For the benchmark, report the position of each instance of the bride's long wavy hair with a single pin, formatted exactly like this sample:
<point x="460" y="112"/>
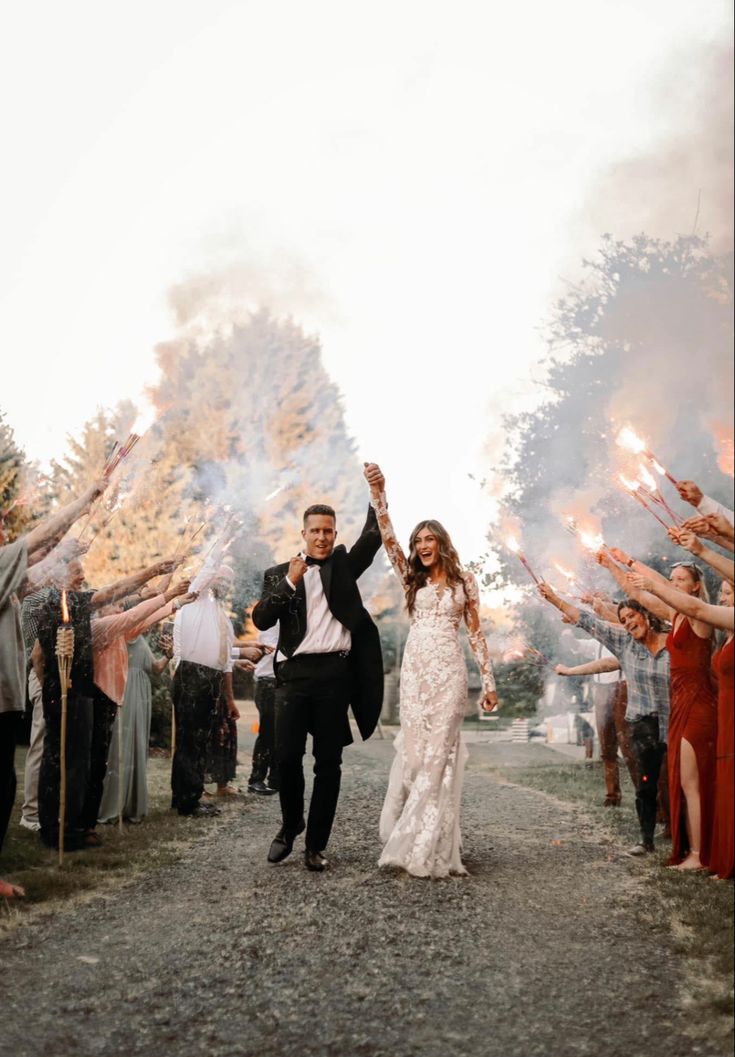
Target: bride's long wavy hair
<point x="418" y="575"/>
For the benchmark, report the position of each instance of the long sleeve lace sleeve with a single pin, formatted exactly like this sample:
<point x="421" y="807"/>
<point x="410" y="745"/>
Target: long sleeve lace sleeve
<point x="478" y="642"/>
<point x="392" y="547"/>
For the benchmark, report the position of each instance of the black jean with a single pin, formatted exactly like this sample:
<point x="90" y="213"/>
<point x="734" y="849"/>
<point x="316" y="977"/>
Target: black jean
<point x="79" y="725"/>
<point x="312" y="697"/>
<point x="9" y="726"/>
<point x="103" y="717"/>
<point x="649" y="754"/>
<point x="195" y="693"/>
<point x="265" y="764"/>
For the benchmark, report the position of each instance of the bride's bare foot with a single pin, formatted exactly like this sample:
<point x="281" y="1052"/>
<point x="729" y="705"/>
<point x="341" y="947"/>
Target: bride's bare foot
<point x="692" y="862"/>
<point x="10" y="891"/>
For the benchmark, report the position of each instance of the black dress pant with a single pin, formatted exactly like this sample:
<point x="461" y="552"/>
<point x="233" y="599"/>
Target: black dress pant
<point x="9" y="726"/>
<point x="265" y="764"/>
<point x="312" y="697"/>
<point x="79" y="726"/>
<point x="648" y="753"/>
<point x="103" y="718"/>
<point x="195" y="693"/>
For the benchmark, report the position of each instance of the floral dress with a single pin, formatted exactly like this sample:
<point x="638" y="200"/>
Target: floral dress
<point x="419" y="823"/>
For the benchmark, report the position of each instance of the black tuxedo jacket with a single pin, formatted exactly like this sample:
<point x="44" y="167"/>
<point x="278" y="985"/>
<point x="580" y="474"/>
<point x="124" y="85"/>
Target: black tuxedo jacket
<point x="279" y="602"/>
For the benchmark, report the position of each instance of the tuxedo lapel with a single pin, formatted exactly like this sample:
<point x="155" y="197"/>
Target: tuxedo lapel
<point x="326" y="574"/>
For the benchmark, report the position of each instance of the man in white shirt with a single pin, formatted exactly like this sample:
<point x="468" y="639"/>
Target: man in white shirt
<point x="264" y="774"/>
<point x="609" y="699"/>
<point x="203" y="640"/>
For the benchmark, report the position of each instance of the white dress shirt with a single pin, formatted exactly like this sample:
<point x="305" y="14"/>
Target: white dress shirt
<point x="203" y="633"/>
<point x="264" y="667"/>
<point x="324" y="633"/>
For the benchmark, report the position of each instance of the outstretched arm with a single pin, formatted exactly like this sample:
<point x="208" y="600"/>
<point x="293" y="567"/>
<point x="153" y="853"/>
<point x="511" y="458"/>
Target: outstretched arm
<point x="51" y="530"/>
<point x="689" y="605"/>
<point x="598" y="667"/>
<point x="646" y="598"/>
<point x="478" y="642"/>
<point x="724" y="566"/>
<point x="130" y="584"/>
<point x="393" y="548"/>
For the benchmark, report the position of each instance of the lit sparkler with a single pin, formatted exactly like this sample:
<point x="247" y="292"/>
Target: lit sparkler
<point x="630" y="440"/>
<point x="514" y="546"/>
<point x="634" y="488"/>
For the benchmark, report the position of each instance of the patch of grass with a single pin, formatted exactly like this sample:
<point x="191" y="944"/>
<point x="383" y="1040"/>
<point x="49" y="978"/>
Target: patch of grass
<point x="146" y="846"/>
<point x="695" y="908"/>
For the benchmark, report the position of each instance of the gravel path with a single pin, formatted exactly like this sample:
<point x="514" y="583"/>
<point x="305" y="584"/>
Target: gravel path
<point x="541" y="951"/>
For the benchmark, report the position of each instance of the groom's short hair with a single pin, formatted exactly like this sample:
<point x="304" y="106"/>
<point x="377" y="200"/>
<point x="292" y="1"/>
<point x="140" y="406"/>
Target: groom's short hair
<point x="319" y="508"/>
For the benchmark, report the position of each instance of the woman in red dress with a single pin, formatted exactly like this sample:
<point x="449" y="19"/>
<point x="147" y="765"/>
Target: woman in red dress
<point x="693" y="721"/>
<point x="722" y="853"/>
<point x="692" y="730"/>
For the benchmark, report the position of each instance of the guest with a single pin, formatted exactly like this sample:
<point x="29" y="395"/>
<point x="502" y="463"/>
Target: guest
<point x="609" y="701"/>
<point x="203" y="641"/>
<point x="15" y="559"/>
<point x="264" y="774"/>
<point x="133" y="719"/>
<point x="692" y="734"/>
<point x="87" y="733"/>
<point x="639" y="644"/>
<point x="694" y="690"/>
<point x="722" y="853"/>
<point x="691" y="493"/>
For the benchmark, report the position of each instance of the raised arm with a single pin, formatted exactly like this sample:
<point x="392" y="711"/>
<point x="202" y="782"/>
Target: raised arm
<point x="689" y="605"/>
<point x="393" y="548"/>
<point x="361" y="554"/>
<point x="478" y="643"/>
<point x="724" y="566"/>
<point x="130" y="584"/>
<point x="549" y="594"/>
<point x="652" y="603"/>
<point x="610" y="635"/>
<point x="51" y="529"/>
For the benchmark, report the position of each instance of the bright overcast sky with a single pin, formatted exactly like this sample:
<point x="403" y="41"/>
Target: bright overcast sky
<point x="405" y="177"/>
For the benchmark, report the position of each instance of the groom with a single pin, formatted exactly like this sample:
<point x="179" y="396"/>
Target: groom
<point x="328" y="658"/>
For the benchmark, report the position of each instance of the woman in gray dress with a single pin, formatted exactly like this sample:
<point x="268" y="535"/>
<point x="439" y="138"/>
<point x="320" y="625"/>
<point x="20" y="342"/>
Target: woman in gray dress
<point x="134" y="720"/>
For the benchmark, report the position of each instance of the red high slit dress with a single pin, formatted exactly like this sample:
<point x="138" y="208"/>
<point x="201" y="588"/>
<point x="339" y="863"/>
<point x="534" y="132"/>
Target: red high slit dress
<point x="722" y="853"/>
<point x="693" y="717"/>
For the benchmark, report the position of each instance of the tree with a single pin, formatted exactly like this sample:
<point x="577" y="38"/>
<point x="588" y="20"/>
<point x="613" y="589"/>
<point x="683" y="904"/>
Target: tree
<point x="21" y="492"/>
<point x="645" y="339"/>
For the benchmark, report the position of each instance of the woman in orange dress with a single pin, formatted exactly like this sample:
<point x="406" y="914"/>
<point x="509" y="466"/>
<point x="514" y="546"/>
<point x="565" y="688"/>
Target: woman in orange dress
<point x="722" y="853"/>
<point x="692" y="738"/>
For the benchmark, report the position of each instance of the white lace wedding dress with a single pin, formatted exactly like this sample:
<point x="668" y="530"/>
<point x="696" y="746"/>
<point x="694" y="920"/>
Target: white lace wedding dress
<point x="419" y="823"/>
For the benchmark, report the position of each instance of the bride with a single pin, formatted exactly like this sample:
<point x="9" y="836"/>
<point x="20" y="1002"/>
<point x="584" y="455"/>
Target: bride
<point x="419" y="823"/>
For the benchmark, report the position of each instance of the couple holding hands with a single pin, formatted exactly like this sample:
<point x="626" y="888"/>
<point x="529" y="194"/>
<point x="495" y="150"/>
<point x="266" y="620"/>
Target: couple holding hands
<point x="328" y="659"/>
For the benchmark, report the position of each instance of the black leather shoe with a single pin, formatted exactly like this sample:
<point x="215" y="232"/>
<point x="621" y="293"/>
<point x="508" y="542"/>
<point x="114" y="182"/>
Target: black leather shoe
<point x="282" y="844"/>
<point x="205" y="811"/>
<point x="261" y="789"/>
<point x="315" y="861"/>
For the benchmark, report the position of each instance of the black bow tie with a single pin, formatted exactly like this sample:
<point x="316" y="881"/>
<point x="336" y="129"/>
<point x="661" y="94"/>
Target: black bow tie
<point x="316" y="561"/>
